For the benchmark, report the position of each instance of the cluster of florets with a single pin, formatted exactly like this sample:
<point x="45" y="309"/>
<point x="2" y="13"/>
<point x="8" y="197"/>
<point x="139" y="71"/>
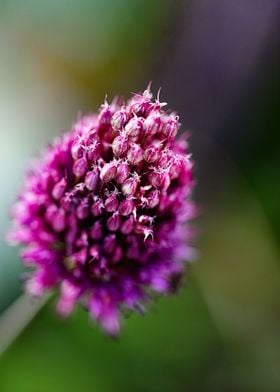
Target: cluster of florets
<point x="104" y="212"/>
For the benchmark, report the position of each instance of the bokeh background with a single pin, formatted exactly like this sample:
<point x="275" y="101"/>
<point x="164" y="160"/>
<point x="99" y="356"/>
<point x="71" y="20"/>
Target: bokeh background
<point x="217" y="62"/>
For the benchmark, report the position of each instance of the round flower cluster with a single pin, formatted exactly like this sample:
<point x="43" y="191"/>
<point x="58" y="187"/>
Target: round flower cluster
<point x="103" y="213"/>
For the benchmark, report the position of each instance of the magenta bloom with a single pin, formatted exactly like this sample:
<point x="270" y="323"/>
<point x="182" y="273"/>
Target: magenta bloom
<point x="104" y="213"/>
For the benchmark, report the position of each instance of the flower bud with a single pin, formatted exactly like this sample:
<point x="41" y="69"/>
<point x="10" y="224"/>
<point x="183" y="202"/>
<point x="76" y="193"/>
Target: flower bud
<point x="94" y="151"/>
<point x="113" y="223"/>
<point x="96" y="208"/>
<point x="122" y="172"/>
<point x="153" y="199"/>
<point x="51" y="212"/>
<point x="176" y="167"/>
<point x="152" y="153"/>
<point x="170" y="127"/>
<point x="118" y="120"/>
<point x="129" y="186"/>
<point x="126" y="207"/>
<point x="59" y="189"/>
<point x="155" y="179"/>
<point x="91" y="179"/>
<point x="152" y="124"/>
<point x="120" y="145"/>
<point x="165" y="181"/>
<point x="134" y="127"/>
<point x="140" y="107"/>
<point x="77" y="150"/>
<point x="82" y="210"/>
<point x="108" y="171"/>
<point x="111" y="203"/>
<point x="127" y="226"/>
<point x="80" y="167"/>
<point x="160" y="179"/>
<point x="164" y="159"/>
<point x="105" y="114"/>
<point x="135" y="154"/>
<point x="59" y="221"/>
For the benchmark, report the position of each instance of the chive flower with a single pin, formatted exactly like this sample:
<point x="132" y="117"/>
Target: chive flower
<point x="104" y="213"/>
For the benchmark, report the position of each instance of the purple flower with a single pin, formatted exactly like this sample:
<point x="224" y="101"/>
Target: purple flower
<point x="104" y="213"/>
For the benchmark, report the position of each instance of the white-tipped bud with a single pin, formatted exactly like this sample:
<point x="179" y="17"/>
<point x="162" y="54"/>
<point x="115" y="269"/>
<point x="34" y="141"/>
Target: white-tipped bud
<point x="164" y="158"/>
<point x="119" y="119"/>
<point x="152" y="153"/>
<point x="108" y="171"/>
<point x="130" y="185"/>
<point x="170" y="127"/>
<point x="111" y="203"/>
<point x="134" y="127"/>
<point x="135" y="154"/>
<point x="120" y="145"/>
<point x="160" y="179"/>
<point x="122" y="172"/>
<point x="152" y="124"/>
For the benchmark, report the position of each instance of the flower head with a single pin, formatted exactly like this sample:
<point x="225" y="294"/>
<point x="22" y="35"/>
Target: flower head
<point x="104" y="213"/>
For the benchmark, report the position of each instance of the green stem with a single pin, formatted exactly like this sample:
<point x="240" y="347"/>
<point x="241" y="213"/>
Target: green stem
<point x="16" y="318"/>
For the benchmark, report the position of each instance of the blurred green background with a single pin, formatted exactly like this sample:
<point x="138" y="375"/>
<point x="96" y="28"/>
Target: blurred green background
<point x="218" y="64"/>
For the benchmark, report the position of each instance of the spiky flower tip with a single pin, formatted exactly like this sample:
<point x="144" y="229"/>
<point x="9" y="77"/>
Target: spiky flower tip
<point x="104" y="213"/>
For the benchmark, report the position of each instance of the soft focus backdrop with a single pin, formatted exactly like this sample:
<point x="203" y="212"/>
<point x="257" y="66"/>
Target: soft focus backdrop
<point x="217" y="63"/>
